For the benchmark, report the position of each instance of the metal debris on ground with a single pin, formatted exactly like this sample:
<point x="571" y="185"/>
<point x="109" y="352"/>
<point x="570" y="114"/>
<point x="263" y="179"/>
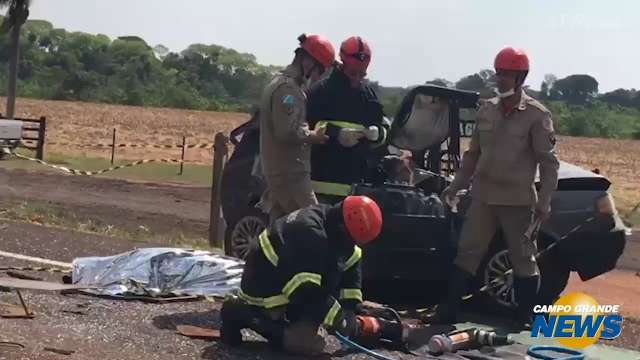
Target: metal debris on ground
<point x="38" y="285"/>
<point x="151" y="299"/>
<point x="198" y="332"/>
<point x="159" y="273"/>
<point x="76" y="310"/>
<point x="9" y="311"/>
<point x="59" y="351"/>
<point x="11" y="344"/>
<point x="18" y="275"/>
<point x="36" y="268"/>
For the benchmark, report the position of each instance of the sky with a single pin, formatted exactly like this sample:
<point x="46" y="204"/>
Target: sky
<point x="413" y="41"/>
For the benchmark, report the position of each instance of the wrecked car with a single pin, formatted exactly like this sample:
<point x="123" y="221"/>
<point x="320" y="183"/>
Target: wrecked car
<point x="418" y="243"/>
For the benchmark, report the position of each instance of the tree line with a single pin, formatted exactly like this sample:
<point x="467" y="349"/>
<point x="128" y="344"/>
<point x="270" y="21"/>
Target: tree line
<point x="61" y="65"/>
<point x="577" y="106"/>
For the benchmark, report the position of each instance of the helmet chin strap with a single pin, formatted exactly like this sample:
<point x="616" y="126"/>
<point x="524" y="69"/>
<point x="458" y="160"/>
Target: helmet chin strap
<point x="505" y="94"/>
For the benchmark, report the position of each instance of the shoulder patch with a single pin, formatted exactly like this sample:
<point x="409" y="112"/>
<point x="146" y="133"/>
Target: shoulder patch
<point x="289" y="101"/>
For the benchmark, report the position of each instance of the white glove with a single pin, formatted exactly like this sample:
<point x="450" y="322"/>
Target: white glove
<point x="349" y="137"/>
<point x="372" y="133"/>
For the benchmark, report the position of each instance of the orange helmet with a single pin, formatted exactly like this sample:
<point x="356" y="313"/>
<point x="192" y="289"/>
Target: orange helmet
<point x="319" y="47"/>
<point x="355" y="52"/>
<point x="511" y="58"/>
<point x="362" y="218"/>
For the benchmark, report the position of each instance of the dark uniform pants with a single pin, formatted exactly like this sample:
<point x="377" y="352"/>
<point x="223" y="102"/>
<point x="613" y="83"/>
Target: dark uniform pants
<point x="480" y="227"/>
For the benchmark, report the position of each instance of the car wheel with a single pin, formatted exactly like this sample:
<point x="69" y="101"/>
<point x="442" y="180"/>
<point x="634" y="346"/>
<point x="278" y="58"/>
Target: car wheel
<point x="243" y="234"/>
<point x="499" y="286"/>
<point x="552" y="281"/>
<point x="555" y="276"/>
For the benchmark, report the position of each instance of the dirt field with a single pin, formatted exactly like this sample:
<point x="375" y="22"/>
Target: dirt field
<point x="87" y="123"/>
<point x="618" y="160"/>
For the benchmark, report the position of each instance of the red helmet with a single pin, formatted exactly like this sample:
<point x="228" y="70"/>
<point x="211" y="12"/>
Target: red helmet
<point x="362" y="218"/>
<point x="511" y="58"/>
<point x="319" y="47"/>
<point x="355" y="52"/>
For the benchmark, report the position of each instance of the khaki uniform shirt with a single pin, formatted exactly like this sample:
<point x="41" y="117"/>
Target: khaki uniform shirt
<point x="284" y="131"/>
<point x="505" y="152"/>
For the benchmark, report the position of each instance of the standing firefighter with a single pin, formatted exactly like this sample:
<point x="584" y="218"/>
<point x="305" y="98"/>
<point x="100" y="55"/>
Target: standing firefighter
<point x="354" y="119"/>
<point x="285" y="138"/>
<point x="513" y="136"/>
<point x="304" y="273"/>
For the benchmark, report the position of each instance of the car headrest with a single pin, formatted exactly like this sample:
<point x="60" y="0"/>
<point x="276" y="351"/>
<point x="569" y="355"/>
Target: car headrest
<point x="427" y="124"/>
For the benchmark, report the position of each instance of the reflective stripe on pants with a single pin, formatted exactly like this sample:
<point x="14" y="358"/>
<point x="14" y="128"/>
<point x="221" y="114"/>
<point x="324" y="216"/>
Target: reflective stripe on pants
<point x="351" y="294"/>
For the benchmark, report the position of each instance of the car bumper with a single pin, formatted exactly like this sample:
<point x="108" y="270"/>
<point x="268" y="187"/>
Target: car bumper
<point x="595" y="248"/>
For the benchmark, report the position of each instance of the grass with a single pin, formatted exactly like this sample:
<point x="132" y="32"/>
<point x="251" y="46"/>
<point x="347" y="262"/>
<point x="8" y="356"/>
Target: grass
<point x="57" y="216"/>
<point x="193" y="174"/>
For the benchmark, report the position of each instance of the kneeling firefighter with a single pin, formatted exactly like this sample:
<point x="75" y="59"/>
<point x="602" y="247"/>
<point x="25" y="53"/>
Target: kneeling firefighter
<point x="303" y="275"/>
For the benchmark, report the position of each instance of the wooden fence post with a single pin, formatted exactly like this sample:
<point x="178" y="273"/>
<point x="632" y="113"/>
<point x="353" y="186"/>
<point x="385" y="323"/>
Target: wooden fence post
<point x="42" y="130"/>
<point x="219" y="152"/>
<point x="184" y="147"/>
<point x="113" y="146"/>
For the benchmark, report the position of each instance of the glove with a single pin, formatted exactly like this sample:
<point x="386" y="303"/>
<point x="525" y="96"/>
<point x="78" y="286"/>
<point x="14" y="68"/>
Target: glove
<point x="346" y="324"/>
<point x="318" y="136"/>
<point x="449" y="197"/>
<point x="372" y="133"/>
<point x="349" y="137"/>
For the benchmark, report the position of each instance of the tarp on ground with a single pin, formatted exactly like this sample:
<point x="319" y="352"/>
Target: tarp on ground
<point x="159" y="272"/>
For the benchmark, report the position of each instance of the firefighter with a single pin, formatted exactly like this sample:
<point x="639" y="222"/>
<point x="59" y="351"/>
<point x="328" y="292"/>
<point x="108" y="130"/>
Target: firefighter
<point x="354" y="121"/>
<point x="514" y="135"/>
<point x="304" y="275"/>
<point x="285" y="137"/>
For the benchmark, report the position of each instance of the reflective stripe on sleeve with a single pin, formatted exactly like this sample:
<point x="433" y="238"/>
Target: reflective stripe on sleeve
<point x="355" y="257"/>
<point x="330" y="318"/>
<point x="267" y="248"/>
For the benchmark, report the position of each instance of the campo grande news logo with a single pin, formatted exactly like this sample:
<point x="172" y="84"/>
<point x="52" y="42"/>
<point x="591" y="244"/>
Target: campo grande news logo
<point x="576" y="320"/>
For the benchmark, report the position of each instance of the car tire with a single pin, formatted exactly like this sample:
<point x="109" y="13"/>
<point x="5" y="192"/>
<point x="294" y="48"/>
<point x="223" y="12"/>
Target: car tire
<point x="500" y="299"/>
<point x="241" y="235"/>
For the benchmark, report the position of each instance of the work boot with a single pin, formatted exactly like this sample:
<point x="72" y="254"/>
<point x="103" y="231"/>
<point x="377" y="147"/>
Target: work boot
<point x="449" y="307"/>
<point x="237" y="315"/>
<point x="526" y="294"/>
<point x="303" y="338"/>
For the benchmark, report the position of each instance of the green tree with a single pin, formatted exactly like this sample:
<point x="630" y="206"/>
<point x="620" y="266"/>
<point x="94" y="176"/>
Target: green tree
<point x="577" y="89"/>
<point x="16" y="16"/>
